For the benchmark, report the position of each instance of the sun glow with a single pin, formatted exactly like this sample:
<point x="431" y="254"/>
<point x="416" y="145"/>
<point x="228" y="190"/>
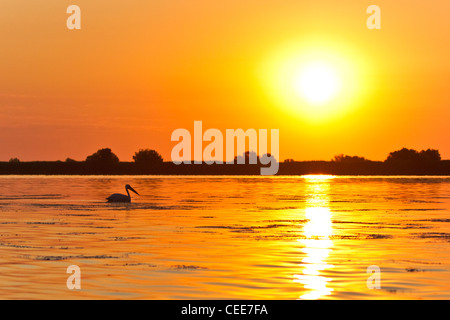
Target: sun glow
<point x="315" y="81"/>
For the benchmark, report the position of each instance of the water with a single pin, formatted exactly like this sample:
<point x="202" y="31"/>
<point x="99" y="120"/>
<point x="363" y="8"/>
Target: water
<point x="310" y="237"/>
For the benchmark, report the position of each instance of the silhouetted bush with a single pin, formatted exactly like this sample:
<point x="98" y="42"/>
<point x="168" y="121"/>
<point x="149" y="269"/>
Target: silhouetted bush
<point x="103" y="160"/>
<point x="403" y="155"/>
<point x="267" y="158"/>
<point x="246" y="157"/>
<point x="430" y="155"/>
<point x="411" y="161"/>
<point x="148" y="159"/>
<point x="341" y="158"/>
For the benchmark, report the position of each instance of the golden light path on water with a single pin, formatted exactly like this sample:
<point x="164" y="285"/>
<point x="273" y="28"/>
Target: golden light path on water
<point x="316" y="241"/>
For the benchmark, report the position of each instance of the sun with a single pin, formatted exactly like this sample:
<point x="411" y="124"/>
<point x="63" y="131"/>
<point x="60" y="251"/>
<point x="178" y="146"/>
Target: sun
<point x="317" y="83"/>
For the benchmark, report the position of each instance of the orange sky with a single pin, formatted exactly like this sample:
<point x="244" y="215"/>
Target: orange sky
<point x="137" y="70"/>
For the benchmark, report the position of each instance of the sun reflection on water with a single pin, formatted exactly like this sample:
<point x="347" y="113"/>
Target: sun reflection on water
<point x="317" y="243"/>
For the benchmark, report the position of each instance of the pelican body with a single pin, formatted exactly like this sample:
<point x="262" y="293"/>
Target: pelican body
<point x="117" y="197"/>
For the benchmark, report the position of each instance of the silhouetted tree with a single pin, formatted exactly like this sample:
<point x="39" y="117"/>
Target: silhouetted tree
<point x="103" y="160"/>
<point x="341" y="158"/>
<point x="403" y="155"/>
<point x="430" y="155"/>
<point x="14" y="160"/>
<point x="412" y="161"/>
<point x="246" y="156"/>
<point x="147" y="158"/>
<point x="267" y="158"/>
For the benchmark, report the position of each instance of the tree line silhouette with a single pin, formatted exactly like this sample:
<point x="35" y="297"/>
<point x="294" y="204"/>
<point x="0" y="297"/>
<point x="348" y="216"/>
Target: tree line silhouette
<point x="147" y="161"/>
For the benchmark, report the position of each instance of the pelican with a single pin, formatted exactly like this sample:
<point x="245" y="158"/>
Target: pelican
<point x="117" y="197"/>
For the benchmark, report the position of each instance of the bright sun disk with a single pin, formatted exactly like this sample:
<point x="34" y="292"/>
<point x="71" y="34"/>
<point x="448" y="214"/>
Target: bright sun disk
<point x="317" y="83"/>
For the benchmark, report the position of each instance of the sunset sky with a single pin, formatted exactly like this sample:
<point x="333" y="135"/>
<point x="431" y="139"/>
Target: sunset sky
<point x="138" y="70"/>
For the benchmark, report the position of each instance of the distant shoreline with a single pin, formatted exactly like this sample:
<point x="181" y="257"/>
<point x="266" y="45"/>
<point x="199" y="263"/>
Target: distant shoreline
<point x="369" y="168"/>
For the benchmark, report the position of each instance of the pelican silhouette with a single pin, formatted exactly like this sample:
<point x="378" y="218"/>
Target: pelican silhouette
<point x="117" y="197"/>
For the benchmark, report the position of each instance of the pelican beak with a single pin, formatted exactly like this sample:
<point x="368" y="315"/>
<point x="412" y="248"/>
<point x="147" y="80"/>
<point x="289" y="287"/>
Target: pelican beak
<point x="134" y="191"/>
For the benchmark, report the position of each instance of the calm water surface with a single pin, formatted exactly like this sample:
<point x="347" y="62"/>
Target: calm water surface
<point x="309" y="237"/>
